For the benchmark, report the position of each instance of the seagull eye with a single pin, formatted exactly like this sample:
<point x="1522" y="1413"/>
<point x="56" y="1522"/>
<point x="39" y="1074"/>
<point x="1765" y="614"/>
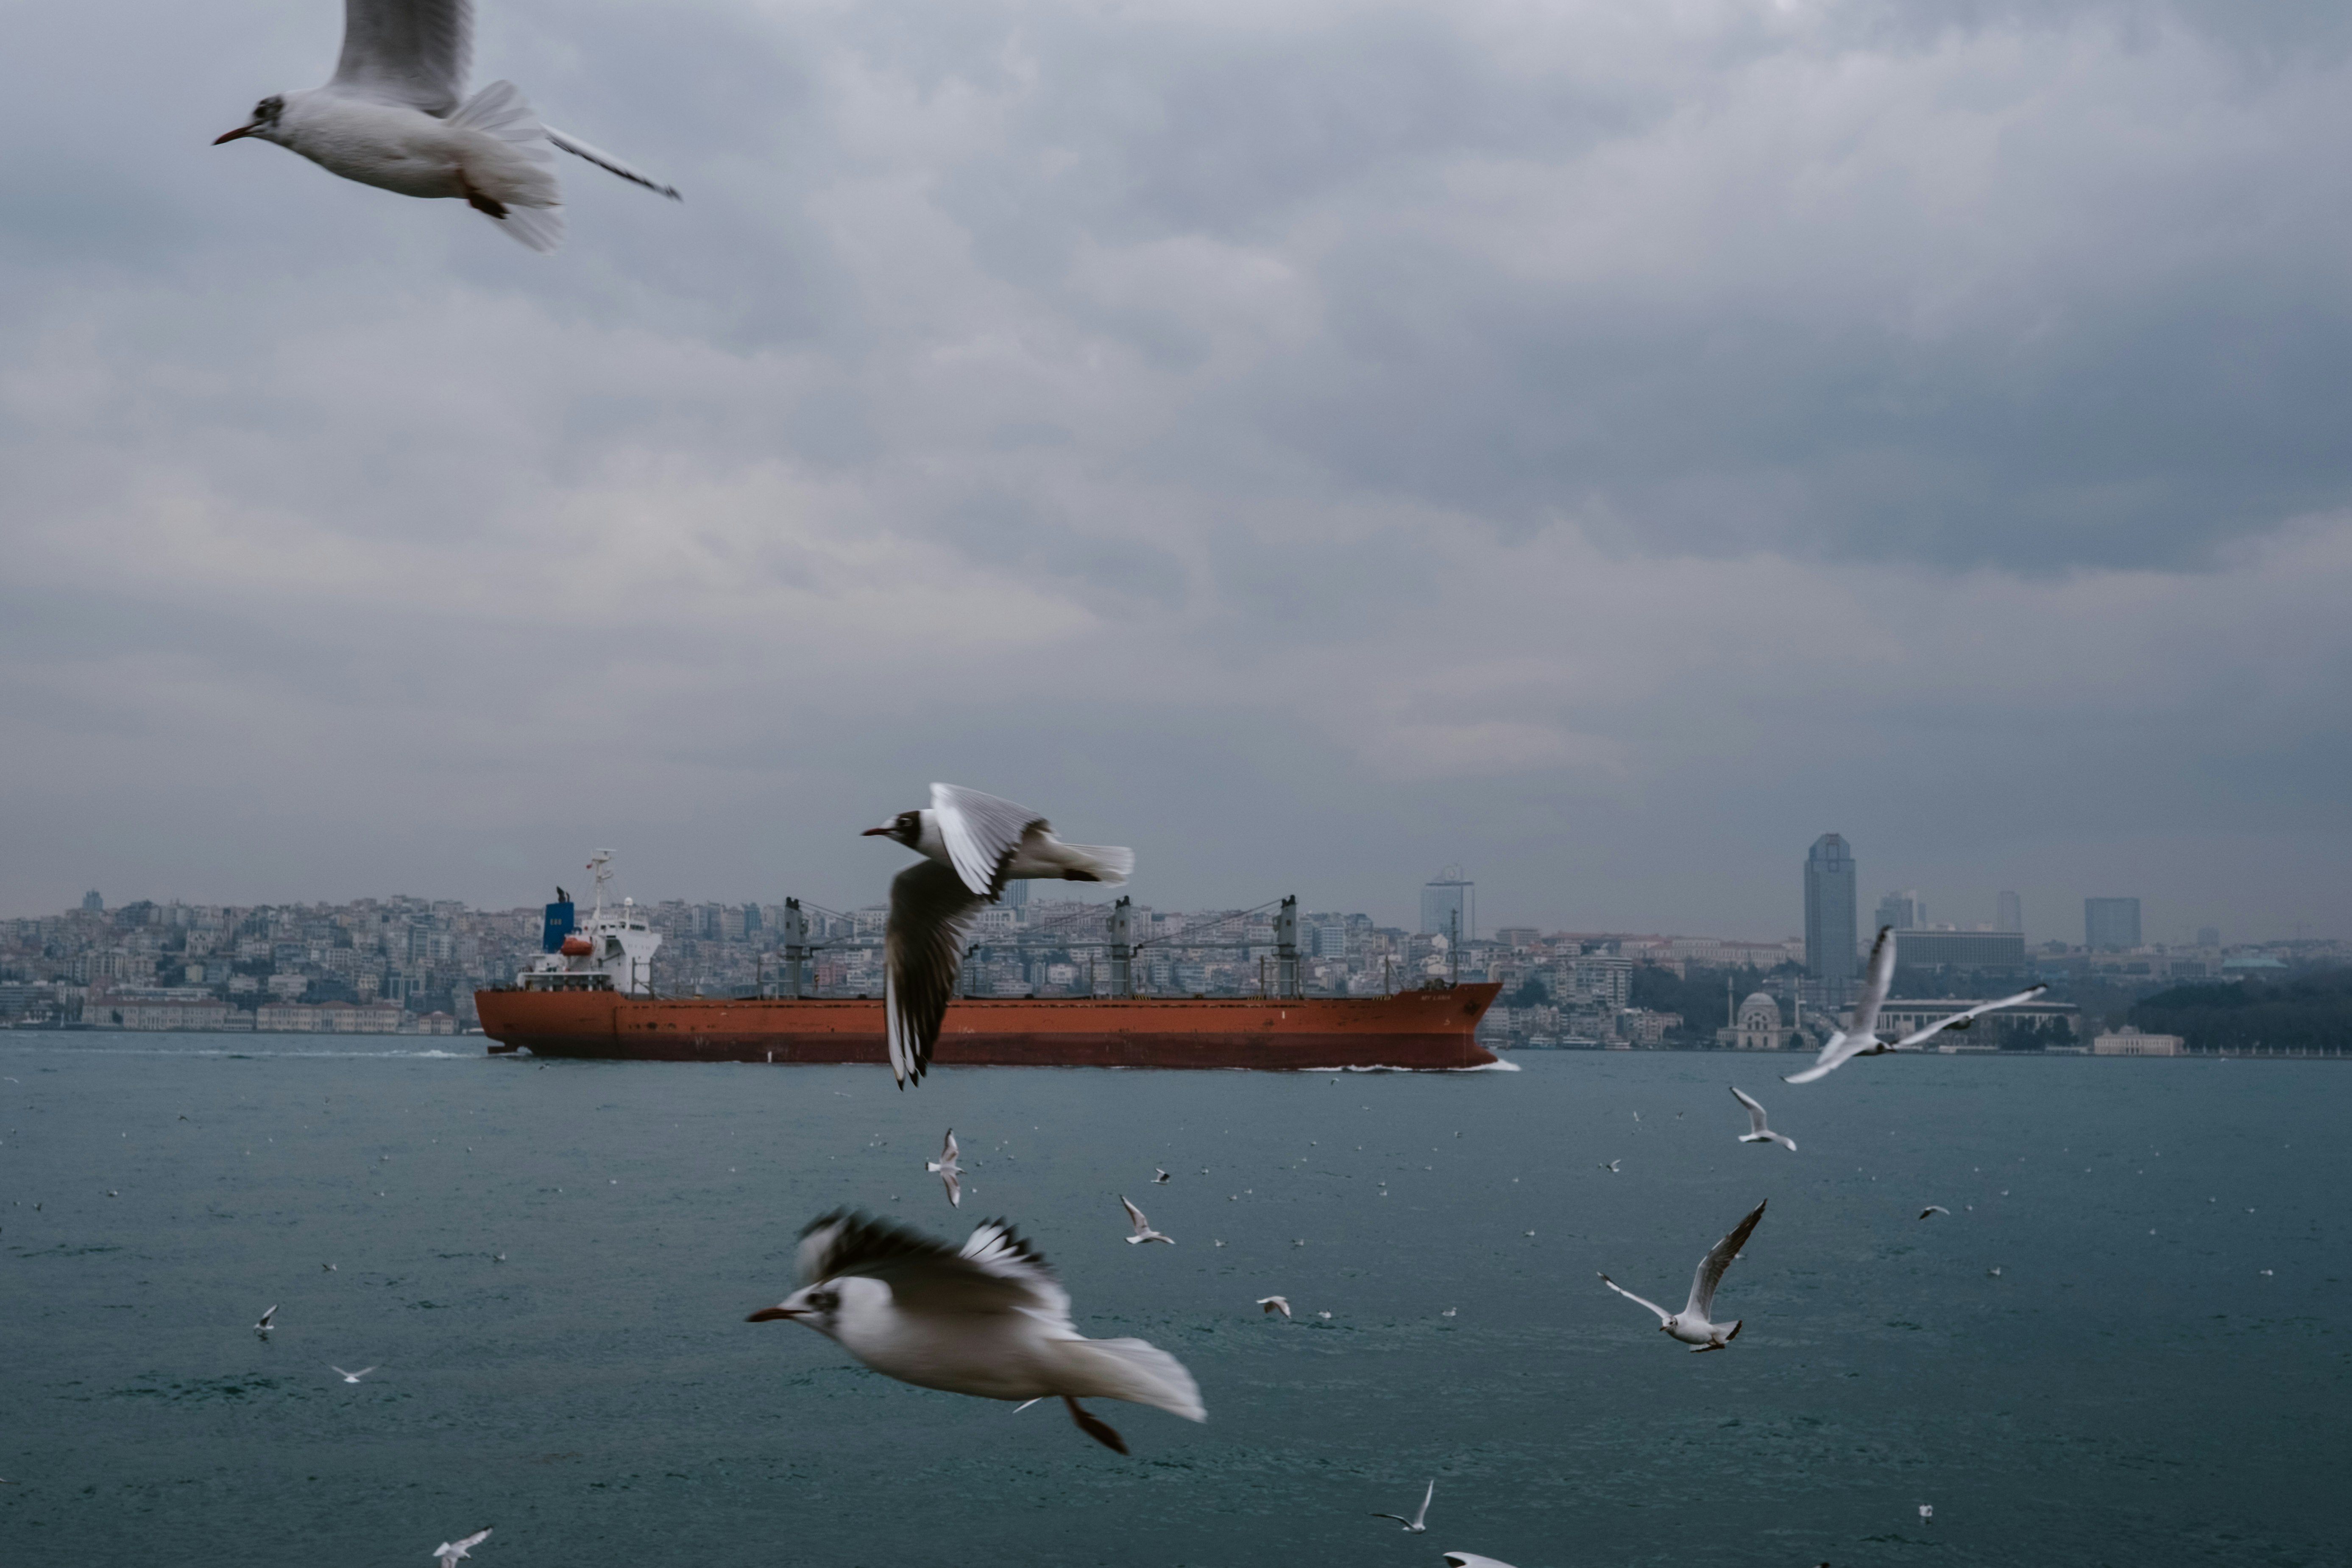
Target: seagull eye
<point x="824" y="1300"/>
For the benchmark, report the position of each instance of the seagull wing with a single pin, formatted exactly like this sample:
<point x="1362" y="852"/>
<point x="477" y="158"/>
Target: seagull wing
<point x="995" y="1271"/>
<point x="922" y="952"/>
<point x="264" y="1322"/>
<point x="1472" y="1560"/>
<point x="1875" y="982"/>
<point x="606" y="162"/>
<point x="1979" y="1010"/>
<point x="1422" y="1512"/>
<point x="362" y="1373"/>
<point x="1644" y="1301"/>
<point x="332" y="1367"/>
<point x="948" y="1153"/>
<point x="1135" y="1216"/>
<point x="1841" y="1049"/>
<point x="411" y="52"/>
<point x="982" y="833"/>
<point x="1754" y="1111"/>
<point x="1718" y="1258"/>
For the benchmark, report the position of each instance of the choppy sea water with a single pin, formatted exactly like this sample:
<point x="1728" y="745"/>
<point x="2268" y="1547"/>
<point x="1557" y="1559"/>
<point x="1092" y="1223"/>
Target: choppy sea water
<point x="2131" y="1388"/>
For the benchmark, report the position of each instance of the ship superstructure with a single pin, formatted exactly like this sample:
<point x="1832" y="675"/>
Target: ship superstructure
<point x="612" y="951"/>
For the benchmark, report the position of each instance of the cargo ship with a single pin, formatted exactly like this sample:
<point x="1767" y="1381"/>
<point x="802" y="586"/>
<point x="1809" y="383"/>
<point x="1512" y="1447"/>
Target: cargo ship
<point x="590" y="995"/>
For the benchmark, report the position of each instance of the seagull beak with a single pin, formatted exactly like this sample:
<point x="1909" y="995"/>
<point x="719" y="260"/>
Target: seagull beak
<point x="874" y="833"/>
<point x="770" y="1314"/>
<point x="233" y="135"/>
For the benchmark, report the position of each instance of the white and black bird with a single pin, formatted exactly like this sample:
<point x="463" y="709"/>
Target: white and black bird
<point x="1861" y="1038"/>
<point x="1270" y="1305"/>
<point x="263" y="1325"/>
<point x="972" y="844"/>
<point x="451" y="1553"/>
<point x="395" y="116"/>
<point x="1757" y="1132"/>
<point x="1143" y="1231"/>
<point x="988" y="1320"/>
<point x="1934" y="1208"/>
<point x="1418" y="1524"/>
<point x="1611" y="1166"/>
<point x="1159" y="1177"/>
<point x="1694" y="1325"/>
<point x="1472" y="1560"/>
<point x="351" y="1376"/>
<point x="946" y="1169"/>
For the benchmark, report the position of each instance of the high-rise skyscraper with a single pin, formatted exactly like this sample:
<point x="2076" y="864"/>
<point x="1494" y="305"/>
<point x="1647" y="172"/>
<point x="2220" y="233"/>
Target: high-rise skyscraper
<point x="2209" y="936"/>
<point x="1449" y="906"/>
<point x="1904" y="910"/>
<point x="1830" y="910"/>
<point x="2009" y="913"/>
<point x="2110" y="924"/>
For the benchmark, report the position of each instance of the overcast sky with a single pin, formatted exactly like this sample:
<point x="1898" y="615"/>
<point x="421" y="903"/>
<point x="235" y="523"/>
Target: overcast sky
<point x="1604" y="446"/>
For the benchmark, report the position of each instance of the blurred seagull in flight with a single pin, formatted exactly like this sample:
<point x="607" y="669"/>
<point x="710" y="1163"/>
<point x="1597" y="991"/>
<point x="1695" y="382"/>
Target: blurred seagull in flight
<point x="949" y="1173"/>
<point x="1692" y="1325"/>
<point x="1416" y="1525"/>
<point x="1272" y="1304"/>
<point x="1611" y="1166"/>
<point x="972" y="844"/>
<point x="1862" y="1039"/>
<point x="988" y="1320"/>
<point x="1143" y="1231"/>
<point x="1472" y="1560"/>
<point x="394" y="116"/>
<point x="1933" y="1208"/>
<point x="263" y="1325"/>
<point x="1757" y="1132"/>
<point x="451" y="1551"/>
<point x="1159" y="1177"/>
<point x="352" y="1377"/>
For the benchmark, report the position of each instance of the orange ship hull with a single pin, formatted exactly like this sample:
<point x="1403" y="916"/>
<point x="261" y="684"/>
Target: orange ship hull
<point x="1429" y="1031"/>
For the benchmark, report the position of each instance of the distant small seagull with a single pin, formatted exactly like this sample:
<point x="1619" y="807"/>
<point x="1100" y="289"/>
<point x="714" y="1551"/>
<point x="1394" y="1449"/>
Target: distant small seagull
<point x="501" y="1257"/>
<point x="1472" y="1560"/>
<point x="326" y="1269"/>
<point x="989" y="1319"/>
<point x="1934" y="1208"/>
<point x="1926" y="1513"/>
<point x="1862" y="1040"/>
<point x="264" y="1326"/>
<point x="1994" y="1272"/>
<point x="1160" y="1180"/>
<point x="1324" y="1316"/>
<point x="1692" y="1325"/>
<point x="971" y="844"/>
<point x="449" y="1551"/>
<point x="950" y="1173"/>
<point x="1757" y="1132"/>
<point x="1417" y="1524"/>
<point x="1447" y="1313"/>
<point x="112" y="1194"/>
<point x="1611" y="1166"/>
<point x="1143" y="1231"/>
<point x="1272" y="1304"/>
<point x="394" y="116"/>
<point x="352" y="1376"/>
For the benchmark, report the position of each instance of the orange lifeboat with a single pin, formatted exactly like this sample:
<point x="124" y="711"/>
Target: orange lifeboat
<point x="576" y="947"/>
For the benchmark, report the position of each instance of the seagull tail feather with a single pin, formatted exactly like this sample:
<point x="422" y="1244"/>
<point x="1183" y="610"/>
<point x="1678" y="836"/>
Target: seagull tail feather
<point x="1133" y="1370"/>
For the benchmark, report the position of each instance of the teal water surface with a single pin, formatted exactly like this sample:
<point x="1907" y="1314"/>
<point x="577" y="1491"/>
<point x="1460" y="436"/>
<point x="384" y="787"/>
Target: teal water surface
<point x="2156" y="1374"/>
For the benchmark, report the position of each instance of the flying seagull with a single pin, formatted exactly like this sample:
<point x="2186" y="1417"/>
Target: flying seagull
<point x="950" y="1173"/>
<point x="1611" y="1166"/>
<point x="264" y="1325"/>
<point x="1272" y="1304"/>
<point x="972" y="844"/>
<point x="1472" y="1560"/>
<point x="1861" y="1040"/>
<point x="449" y="1551"/>
<point x="1933" y="1208"/>
<point x="1692" y="1325"/>
<point x="1159" y="1177"/>
<point x="1415" y="1525"/>
<point x="394" y="116"/>
<point x="352" y="1377"/>
<point x="1143" y="1231"/>
<point x="989" y="1319"/>
<point x="1757" y="1132"/>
